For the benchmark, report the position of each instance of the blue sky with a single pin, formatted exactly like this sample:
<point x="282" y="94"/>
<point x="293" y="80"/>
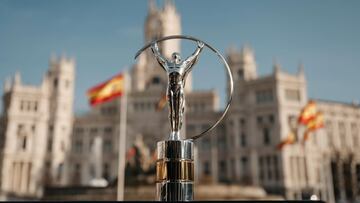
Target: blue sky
<point x="104" y="35"/>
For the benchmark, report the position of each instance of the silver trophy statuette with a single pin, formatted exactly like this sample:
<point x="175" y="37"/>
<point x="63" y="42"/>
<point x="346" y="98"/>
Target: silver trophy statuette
<point x="177" y="71"/>
<point x="175" y="156"/>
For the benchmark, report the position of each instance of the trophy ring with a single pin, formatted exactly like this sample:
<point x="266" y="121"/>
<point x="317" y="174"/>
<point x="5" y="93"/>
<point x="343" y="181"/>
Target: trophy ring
<point x="226" y="65"/>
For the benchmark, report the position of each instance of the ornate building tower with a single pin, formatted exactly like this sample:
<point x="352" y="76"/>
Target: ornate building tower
<point x="25" y="115"/>
<point x="242" y="63"/>
<point x="60" y="79"/>
<point x="159" y="23"/>
<point x="243" y="66"/>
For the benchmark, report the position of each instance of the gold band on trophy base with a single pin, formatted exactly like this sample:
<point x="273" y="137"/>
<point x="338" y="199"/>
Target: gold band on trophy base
<point x="179" y="170"/>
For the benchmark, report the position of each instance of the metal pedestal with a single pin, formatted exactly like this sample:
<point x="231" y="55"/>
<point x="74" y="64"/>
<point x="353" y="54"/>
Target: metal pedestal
<point x="175" y="170"/>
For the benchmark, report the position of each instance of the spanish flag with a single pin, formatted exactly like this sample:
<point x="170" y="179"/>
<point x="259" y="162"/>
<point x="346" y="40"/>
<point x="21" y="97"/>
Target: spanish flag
<point x="290" y="139"/>
<point x="307" y="113"/>
<point x="106" y="91"/>
<point x="314" y="124"/>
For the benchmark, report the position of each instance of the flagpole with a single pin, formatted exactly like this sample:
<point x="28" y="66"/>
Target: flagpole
<point x="122" y="141"/>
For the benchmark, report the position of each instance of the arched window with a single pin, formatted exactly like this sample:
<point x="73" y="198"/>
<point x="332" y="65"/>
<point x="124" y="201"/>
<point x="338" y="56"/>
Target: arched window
<point x="156" y="80"/>
<point x="24" y="142"/>
<point x="240" y="74"/>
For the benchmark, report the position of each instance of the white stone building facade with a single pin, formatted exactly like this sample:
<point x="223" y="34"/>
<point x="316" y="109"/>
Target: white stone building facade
<point x="36" y="130"/>
<point x="44" y="144"/>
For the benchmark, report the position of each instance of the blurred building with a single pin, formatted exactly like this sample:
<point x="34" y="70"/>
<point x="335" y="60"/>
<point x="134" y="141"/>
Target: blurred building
<point x="36" y="130"/>
<point x="44" y="144"/>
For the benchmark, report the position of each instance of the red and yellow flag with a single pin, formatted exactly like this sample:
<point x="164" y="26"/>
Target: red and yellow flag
<point x="314" y="124"/>
<point x="289" y="139"/>
<point x="307" y="113"/>
<point x="106" y="91"/>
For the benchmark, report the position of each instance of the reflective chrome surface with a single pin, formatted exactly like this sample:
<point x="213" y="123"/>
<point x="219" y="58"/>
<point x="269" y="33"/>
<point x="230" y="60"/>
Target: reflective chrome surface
<point x="175" y="191"/>
<point x="175" y="149"/>
<point x="175" y="157"/>
<point x="176" y="135"/>
<point x="177" y="71"/>
<point x="175" y="170"/>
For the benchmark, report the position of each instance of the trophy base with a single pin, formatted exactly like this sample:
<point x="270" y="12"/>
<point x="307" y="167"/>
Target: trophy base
<point x="175" y="191"/>
<point x="175" y="170"/>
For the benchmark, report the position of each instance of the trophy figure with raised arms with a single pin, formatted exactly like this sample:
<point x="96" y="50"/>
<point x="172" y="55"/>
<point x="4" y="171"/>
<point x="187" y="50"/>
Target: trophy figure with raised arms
<point x="177" y="71"/>
<point x="175" y="156"/>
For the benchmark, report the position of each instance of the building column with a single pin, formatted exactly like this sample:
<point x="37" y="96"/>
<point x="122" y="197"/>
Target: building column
<point x="24" y="177"/>
<point x="97" y="162"/>
<point x="352" y="166"/>
<point x="254" y="167"/>
<point x="341" y="180"/>
<point x="11" y="179"/>
<point x="329" y="182"/>
<point x="214" y="160"/>
<point x="17" y="177"/>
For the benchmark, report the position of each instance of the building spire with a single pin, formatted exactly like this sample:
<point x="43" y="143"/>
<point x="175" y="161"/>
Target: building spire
<point x="169" y="3"/>
<point x="276" y="65"/>
<point x="301" y="68"/>
<point x="17" y="78"/>
<point x="152" y="6"/>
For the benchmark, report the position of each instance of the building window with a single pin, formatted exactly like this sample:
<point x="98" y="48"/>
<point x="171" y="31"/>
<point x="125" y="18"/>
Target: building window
<point x="156" y="80"/>
<point x="244" y="165"/>
<point x="223" y="169"/>
<point x="28" y="105"/>
<point x="91" y="144"/>
<point x="22" y="105"/>
<point x="24" y="142"/>
<point x="106" y="171"/>
<point x="357" y="171"/>
<point x="242" y="139"/>
<point x="191" y="127"/>
<point x="276" y="168"/>
<point x="55" y="82"/>
<point x="222" y="142"/>
<point x="60" y="171"/>
<point x="261" y="168"/>
<point x="78" y="146"/>
<point x="206" y="143"/>
<point x="107" y="130"/>
<point x="264" y="96"/>
<point x="51" y="128"/>
<point x="107" y="146"/>
<point x="259" y="119"/>
<point x="292" y="95"/>
<point x="268" y="163"/>
<point x="266" y="136"/>
<point x="20" y="128"/>
<point x="205" y="126"/>
<point x="206" y="168"/>
<point x="92" y="171"/>
<point x="242" y="122"/>
<point x="93" y="131"/>
<point x="79" y="130"/>
<point x="35" y="106"/>
<point x="240" y="74"/>
<point x="77" y="174"/>
<point x="271" y="118"/>
<point x="49" y="144"/>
